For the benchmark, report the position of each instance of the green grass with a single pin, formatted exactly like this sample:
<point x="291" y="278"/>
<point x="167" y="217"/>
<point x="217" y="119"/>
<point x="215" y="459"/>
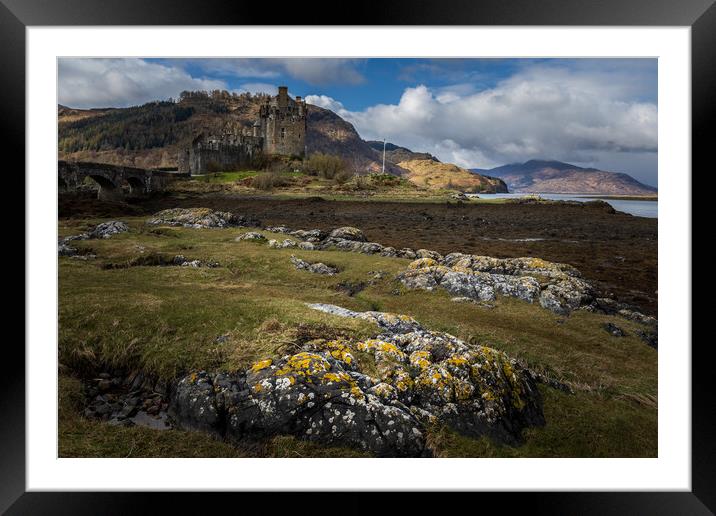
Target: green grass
<point x="232" y="177"/>
<point x="165" y="321"/>
<point x="311" y="186"/>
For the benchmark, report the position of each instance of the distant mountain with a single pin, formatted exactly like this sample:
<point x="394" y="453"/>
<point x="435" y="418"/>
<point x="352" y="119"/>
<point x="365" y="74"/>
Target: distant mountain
<point x="435" y="175"/>
<point x="151" y="135"/>
<point x="547" y="176"/>
<point x="395" y="154"/>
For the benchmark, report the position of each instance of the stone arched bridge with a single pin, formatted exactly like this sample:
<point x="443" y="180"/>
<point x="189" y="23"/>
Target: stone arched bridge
<point x="112" y="179"/>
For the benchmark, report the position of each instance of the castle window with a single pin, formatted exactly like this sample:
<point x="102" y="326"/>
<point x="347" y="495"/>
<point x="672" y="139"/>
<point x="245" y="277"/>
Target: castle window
<point x="283" y="132"/>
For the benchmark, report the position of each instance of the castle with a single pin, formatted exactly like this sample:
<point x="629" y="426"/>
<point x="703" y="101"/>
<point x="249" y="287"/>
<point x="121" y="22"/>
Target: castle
<point x="279" y="130"/>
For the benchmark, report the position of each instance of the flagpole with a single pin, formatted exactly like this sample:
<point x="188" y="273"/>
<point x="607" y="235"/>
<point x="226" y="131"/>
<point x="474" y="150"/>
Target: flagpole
<point x="383" y="170"/>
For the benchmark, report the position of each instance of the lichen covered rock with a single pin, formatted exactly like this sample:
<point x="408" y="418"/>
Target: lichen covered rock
<point x="557" y="286"/>
<point x="312" y="235"/>
<point x="200" y="218"/>
<point x="284" y="244"/>
<point x="323" y="394"/>
<point x="348" y="233"/>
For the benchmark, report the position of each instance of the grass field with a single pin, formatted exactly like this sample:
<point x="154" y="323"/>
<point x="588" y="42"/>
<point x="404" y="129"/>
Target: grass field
<point x="300" y="186"/>
<point x="166" y="320"/>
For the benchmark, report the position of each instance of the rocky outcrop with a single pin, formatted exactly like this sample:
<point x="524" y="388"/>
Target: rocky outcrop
<point x="556" y="286"/>
<point x="283" y="244"/>
<point x="251" y="235"/>
<point x="316" y="268"/>
<point x="348" y="233"/>
<point x="200" y="218"/>
<point x="407" y="378"/>
<point x="107" y="229"/>
<point x="103" y="230"/>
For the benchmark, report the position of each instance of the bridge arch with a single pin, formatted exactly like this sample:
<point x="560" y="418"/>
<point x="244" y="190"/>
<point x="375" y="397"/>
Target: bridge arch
<point x="108" y="190"/>
<point x="136" y="185"/>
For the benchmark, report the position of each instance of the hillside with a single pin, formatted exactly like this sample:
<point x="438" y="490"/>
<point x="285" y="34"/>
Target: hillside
<point x="435" y="175"/>
<point x="538" y="176"/>
<point x="395" y="154"/>
<point x="151" y="135"/>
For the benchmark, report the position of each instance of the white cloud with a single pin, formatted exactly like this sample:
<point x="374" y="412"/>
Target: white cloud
<point x="572" y="115"/>
<point x="99" y="82"/>
<point x="311" y="70"/>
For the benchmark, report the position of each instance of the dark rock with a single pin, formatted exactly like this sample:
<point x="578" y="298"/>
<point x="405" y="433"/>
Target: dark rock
<point x="613" y="329"/>
<point x="350" y="288"/>
<point x="316" y="268"/>
<point x="650" y="337"/>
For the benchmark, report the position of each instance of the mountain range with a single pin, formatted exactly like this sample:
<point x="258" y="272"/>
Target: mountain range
<point x="549" y="176"/>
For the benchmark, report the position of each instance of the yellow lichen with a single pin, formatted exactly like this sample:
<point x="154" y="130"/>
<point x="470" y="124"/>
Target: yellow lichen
<point x="458" y="360"/>
<point x="338" y="349"/>
<point x="381" y="349"/>
<point x="304" y="364"/>
<point x="336" y="377"/>
<point x="261" y="364"/>
<point x="420" y="359"/>
<point x="421" y="263"/>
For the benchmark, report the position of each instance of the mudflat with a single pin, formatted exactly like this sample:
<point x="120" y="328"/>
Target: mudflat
<point x="615" y="251"/>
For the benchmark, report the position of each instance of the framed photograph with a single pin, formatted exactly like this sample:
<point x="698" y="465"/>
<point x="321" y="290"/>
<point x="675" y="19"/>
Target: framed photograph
<point x="432" y="250"/>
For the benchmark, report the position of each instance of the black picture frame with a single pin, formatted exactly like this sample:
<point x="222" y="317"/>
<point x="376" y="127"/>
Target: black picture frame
<point x="16" y="15"/>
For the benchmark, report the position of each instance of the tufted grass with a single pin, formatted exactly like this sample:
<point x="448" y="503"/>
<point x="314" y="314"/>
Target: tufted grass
<point x="166" y="321"/>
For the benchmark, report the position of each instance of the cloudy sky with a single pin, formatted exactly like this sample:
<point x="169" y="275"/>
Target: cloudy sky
<point x="478" y="113"/>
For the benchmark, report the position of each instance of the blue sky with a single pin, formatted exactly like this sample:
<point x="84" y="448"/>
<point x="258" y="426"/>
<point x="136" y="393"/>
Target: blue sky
<point x="477" y="113"/>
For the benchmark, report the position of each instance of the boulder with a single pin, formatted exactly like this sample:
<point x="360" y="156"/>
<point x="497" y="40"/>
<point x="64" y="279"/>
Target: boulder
<point x="557" y="286"/>
<point x="613" y="330"/>
<point x="287" y="243"/>
<point x="348" y="233"/>
<point x="312" y="235"/>
<point x="649" y="336"/>
<point x="251" y="235"/>
<point x="427" y="253"/>
<point x="278" y="229"/>
<point x="107" y="229"/>
<point x="316" y="268"/>
<point x="321" y="394"/>
<point x="63" y="249"/>
<point x="200" y="218"/>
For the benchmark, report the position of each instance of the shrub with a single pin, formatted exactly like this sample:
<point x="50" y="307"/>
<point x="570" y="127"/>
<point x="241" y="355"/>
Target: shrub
<point x="343" y="176"/>
<point x="326" y="166"/>
<point x="268" y="181"/>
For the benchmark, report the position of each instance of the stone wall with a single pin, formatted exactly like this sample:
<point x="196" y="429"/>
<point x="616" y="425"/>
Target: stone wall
<point x="207" y="154"/>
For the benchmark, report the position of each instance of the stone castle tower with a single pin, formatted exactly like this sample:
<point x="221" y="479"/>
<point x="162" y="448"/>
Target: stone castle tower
<point x="279" y="130"/>
<point x="282" y="124"/>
